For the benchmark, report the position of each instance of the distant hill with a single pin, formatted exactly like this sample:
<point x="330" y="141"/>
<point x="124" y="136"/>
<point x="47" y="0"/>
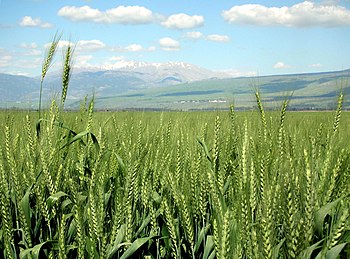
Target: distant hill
<point x="177" y="85"/>
<point x="310" y="91"/>
<point x="108" y="81"/>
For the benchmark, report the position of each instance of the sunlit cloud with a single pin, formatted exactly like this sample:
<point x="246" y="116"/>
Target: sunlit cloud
<point x="280" y="65"/>
<point x="28" y="21"/>
<point x="120" y="15"/>
<point x="183" y="21"/>
<point x="169" y="44"/>
<point x="304" y="14"/>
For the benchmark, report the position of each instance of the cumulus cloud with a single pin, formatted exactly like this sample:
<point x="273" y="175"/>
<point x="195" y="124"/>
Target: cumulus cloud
<point x="194" y="35"/>
<point x="138" y="48"/>
<point x="280" y="65"/>
<point x="304" y="14"/>
<point x="28" y="21"/>
<point x="169" y="44"/>
<point x="134" y="48"/>
<point x="90" y="45"/>
<point x="218" y="38"/>
<point x="121" y="14"/>
<point x="82" y="45"/>
<point x="183" y="21"/>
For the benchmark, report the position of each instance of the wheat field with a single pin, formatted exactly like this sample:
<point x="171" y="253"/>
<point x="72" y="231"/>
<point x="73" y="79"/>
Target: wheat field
<point x="261" y="184"/>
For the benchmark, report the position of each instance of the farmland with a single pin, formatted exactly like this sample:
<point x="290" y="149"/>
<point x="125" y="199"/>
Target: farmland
<point x="220" y="184"/>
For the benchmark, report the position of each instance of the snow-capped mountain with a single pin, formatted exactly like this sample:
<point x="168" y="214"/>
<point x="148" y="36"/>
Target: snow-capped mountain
<point x="107" y="80"/>
<point x="159" y="73"/>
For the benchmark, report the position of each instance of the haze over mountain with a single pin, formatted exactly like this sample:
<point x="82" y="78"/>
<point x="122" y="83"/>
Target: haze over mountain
<point x="105" y="81"/>
<point x="173" y="85"/>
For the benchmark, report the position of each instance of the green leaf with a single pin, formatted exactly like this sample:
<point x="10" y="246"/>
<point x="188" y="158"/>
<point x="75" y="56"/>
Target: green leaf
<point x="335" y="251"/>
<point x="72" y="230"/>
<point x="308" y="251"/>
<point x="144" y="224"/>
<point x="227" y="184"/>
<point x="121" y="163"/>
<point x="34" y="251"/>
<point x="55" y="197"/>
<point x="135" y="246"/>
<point x="65" y="203"/>
<point x="79" y="136"/>
<point x="156" y="197"/>
<point x="117" y="242"/>
<point x="209" y="246"/>
<point x="26" y="205"/>
<point x="201" y="236"/>
<point x="277" y="248"/>
<point x="205" y="148"/>
<point x="212" y="255"/>
<point x="95" y="141"/>
<point x="321" y="214"/>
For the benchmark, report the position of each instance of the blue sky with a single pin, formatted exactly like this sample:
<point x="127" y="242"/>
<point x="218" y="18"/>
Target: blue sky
<point x="243" y="37"/>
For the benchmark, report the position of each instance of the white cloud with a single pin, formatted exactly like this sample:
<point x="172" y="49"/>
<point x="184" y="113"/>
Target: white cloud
<point x="304" y="14"/>
<point x="133" y="48"/>
<point x="82" y="61"/>
<point x="169" y="44"/>
<point x="218" y="38"/>
<point x="121" y="14"/>
<point x="18" y="73"/>
<point x="116" y="58"/>
<point x="23" y="63"/>
<point x="32" y="45"/>
<point x="194" y="35"/>
<point x="61" y="44"/>
<point x="28" y="21"/>
<point x="90" y="45"/>
<point x="280" y="64"/>
<point x="5" y="60"/>
<point x="33" y="52"/>
<point x="82" y="45"/>
<point x="317" y="65"/>
<point x="31" y="49"/>
<point x="183" y="21"/>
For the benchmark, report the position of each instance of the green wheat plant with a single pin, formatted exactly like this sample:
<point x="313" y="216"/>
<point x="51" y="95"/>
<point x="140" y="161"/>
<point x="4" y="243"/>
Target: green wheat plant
<point x="221" y="184"/>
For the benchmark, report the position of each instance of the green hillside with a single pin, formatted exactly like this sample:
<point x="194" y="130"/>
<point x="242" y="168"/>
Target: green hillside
<point x="306" y="91"/>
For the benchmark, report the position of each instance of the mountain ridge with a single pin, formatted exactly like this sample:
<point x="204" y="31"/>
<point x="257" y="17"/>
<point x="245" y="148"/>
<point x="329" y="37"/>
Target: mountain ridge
<point x="166" y="84"/>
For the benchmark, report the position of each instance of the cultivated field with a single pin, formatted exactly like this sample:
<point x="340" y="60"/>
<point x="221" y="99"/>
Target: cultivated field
<point x="174" y="184"/>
